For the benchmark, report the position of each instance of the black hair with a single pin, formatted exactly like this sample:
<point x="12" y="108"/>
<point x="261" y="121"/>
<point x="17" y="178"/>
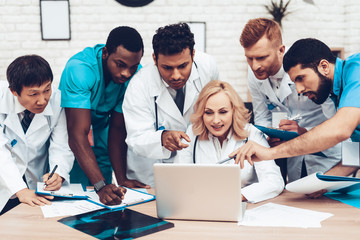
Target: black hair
<point x="308" y="52"/>
<point x="126" y="36"/>
<point x="28" y="71"/>
<point x="173" y="39"/>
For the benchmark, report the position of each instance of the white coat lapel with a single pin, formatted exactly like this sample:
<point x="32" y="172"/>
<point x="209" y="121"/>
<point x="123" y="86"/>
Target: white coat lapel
<point x="40" y="120"/>
<point x="266" y="89"/>
<point x="285" y="88"/>
<point x="230" y="147"/>
<point x="166" y="103"/>
<point x="12" y="119"/>
<point x="13" y="123"/>
<point x="191" y="89"/>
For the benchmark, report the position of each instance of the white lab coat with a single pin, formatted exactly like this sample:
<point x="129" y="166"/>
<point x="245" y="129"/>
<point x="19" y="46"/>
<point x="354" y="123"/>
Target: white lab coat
<point x="259" y="182"/>
<point x="143" y="136"/>
<point x="44" y="145"/>
<point x="289" y="101"/>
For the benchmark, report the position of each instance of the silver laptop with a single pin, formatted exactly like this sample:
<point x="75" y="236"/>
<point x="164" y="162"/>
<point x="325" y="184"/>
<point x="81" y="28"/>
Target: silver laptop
<point x="198" y="192"/>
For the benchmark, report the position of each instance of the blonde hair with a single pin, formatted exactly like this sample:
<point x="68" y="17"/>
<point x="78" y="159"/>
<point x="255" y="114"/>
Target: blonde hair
<point x="257" y="28"/>
<point x="240" y="116"/>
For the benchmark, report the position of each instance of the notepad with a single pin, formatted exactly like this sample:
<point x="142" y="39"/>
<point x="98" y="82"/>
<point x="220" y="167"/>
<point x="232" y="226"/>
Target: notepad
<point x="318" y="181"/>
<point x="132" y="197"/>
<point x="74" y="191"/>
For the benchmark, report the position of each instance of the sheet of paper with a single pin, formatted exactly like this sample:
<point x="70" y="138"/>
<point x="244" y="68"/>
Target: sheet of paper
<point x="131" y="197"/>
<point x="276" y="215"/>
<point x="311" y="183"/>
<point x="65" y="190"/>
<point x="350" y="153"/>
<point x="68" y="208"/>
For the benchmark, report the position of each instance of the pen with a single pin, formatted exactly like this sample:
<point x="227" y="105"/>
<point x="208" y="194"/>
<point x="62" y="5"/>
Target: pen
<point x="225" y="160"/>
<point x="294" y="118"/>
<point x="51" y="174"/>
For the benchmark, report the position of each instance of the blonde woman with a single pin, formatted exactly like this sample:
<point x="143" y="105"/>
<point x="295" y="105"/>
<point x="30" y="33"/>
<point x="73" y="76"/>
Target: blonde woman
<point x="219" y="126"/>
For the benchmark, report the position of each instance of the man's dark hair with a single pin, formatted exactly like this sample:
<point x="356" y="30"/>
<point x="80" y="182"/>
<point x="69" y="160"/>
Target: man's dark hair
<point x="28" y="71"/>
<point x="308" y="52"/>
<point x="128" y="37"/>
<point x="173" y="39"/>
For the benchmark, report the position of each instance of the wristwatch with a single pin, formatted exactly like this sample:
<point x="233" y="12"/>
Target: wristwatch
<point x="99" y="185"/>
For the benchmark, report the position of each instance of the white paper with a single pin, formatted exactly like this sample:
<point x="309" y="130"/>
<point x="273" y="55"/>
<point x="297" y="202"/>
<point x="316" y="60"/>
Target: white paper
<point x="276" y="118"/>
<point x="311" y="183"/>
<point x="350" y="153"/>
<point x="68" y="208"/>
<point x="65" y="190"/>
<point x="276" y="215"/>
<point x="131" y="197"/>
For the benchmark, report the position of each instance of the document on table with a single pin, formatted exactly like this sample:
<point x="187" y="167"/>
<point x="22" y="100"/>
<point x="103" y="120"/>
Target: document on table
<point x="68" y="208"/>
<point x="276" y="215"/>
<point x="317" y="181"/>
<point x="132" y="197"/>
<point x="66" y="191"/>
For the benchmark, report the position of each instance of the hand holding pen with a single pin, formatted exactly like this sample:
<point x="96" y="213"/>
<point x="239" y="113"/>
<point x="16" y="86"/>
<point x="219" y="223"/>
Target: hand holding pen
<point x="52" y="180"/>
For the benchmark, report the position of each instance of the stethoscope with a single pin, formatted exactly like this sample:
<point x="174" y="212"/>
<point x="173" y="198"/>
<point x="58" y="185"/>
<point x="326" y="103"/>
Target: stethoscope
<point x="156" y="107"/>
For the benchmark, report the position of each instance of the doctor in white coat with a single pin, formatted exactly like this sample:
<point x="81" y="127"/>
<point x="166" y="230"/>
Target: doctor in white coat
<point x="272" y="91"/>
<point x="155" y="124"/>
<point x="28" y="155"/>
<point x="219" y="127"/>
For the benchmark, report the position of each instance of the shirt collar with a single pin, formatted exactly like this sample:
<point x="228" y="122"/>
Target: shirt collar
<point x="18" y="108"/>
<point x="279" y="75"/>
<point x="228" y="137"/>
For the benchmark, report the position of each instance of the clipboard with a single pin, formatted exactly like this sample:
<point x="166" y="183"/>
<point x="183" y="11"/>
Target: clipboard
<point x="73" y="191"/>
<point x="283" y="135"/>
<point x="277" y="133"/>
<point x="132" y="197"/>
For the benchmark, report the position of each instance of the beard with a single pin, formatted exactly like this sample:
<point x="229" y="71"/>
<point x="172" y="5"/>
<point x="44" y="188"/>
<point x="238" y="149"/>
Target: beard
<point x="324" y="89"/>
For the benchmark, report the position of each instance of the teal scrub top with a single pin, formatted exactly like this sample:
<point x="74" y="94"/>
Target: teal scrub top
<point x="82" y="86"/>
<point x="350" y="78"/>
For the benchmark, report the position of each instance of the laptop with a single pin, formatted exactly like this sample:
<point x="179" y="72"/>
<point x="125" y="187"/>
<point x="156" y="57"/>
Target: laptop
<point x="198" y="191"/>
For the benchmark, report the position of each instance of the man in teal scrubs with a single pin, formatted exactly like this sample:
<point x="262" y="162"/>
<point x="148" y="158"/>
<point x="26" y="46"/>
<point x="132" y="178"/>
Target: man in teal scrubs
<point x="92" y="86"/>
<point x="317" y="74"/>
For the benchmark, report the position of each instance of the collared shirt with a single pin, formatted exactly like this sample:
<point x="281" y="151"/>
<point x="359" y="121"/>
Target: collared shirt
<point x="171" y="90"/>
<point x="276" y="80"/>
<point x="220" y="149"/>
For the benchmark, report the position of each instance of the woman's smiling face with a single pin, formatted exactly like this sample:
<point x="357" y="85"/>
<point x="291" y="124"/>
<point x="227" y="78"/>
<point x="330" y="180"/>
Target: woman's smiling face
<point x="218" y="115"/>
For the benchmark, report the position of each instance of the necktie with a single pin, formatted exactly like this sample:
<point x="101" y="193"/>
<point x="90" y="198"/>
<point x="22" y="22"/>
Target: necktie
<point x="179" y="99"/>
<point x="25" y="122"/>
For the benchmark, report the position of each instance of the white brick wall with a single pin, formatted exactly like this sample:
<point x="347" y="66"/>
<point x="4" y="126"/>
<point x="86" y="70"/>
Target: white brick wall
<point x="333" y="21"/>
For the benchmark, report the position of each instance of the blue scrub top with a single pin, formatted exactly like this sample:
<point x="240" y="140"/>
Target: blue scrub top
<point x="350" y="77"/>
<point x="82" y="85"/>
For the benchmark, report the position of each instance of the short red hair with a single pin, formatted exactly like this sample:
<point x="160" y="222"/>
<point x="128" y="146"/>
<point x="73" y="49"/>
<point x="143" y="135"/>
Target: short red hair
<point x="257" y="28"/>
